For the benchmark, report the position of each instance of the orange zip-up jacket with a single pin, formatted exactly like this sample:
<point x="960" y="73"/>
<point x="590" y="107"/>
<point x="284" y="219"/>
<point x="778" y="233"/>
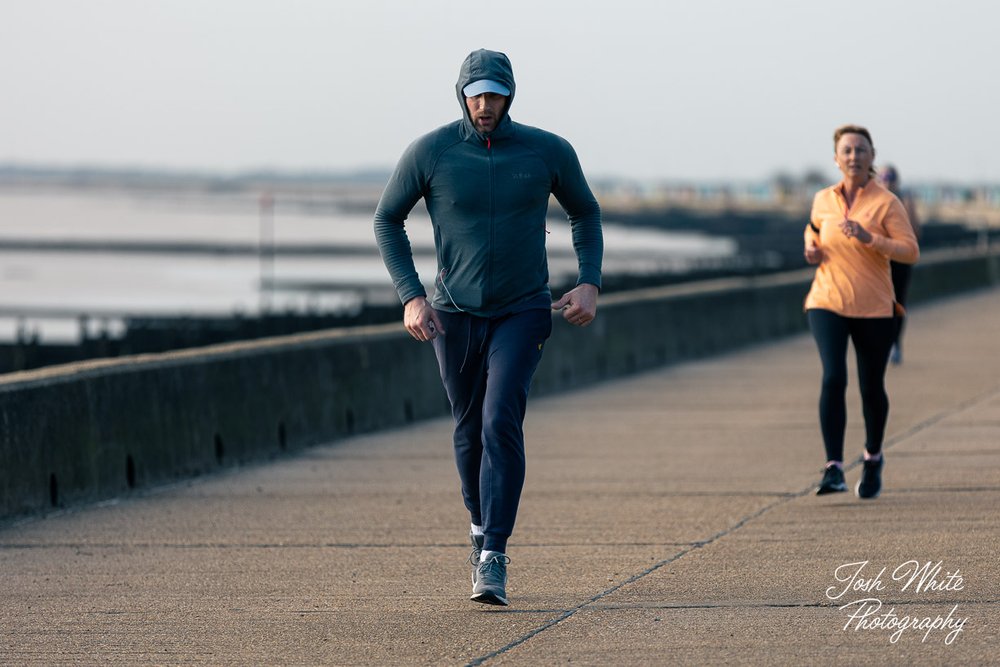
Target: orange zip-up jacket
<point x="853" y="279"/>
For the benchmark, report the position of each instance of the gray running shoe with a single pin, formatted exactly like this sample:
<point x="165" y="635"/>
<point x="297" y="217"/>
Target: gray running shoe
<point x="489" y="581"/>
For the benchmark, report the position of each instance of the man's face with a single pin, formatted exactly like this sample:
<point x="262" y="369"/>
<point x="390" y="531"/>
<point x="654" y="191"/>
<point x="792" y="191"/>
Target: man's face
<point x="485" y="110"/>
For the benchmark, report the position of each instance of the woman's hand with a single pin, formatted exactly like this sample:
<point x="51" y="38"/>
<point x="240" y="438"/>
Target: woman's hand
<point x="813" y="253"/>
<point x="854" y="230"/>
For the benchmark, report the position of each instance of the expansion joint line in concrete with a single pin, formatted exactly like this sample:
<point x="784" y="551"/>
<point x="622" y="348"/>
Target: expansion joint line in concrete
<point x="890" y="442"/>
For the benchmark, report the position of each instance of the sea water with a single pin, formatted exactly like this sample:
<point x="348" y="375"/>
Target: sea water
<point x="45" y="291"/>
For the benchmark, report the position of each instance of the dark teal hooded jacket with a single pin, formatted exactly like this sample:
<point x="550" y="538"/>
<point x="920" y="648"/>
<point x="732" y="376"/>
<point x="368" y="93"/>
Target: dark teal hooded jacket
<point x="487" y="196"/>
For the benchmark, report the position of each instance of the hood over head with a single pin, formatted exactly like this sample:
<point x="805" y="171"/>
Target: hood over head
<point x="480" y="65"/>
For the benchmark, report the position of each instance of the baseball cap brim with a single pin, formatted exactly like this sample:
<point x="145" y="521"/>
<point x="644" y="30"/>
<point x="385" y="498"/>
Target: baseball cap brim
<point x="486" y="86"/>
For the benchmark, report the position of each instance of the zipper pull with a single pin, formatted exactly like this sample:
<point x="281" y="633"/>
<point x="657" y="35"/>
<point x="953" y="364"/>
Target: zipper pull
<point x="487" y="143"/>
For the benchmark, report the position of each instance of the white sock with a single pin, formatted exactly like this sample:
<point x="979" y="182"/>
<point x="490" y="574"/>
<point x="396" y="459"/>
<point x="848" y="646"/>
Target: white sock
<point x="477" y="530"/>
<point x="486" y="555"/>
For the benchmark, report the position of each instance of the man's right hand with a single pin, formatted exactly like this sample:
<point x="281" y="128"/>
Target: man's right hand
<point x="421" y="320"/>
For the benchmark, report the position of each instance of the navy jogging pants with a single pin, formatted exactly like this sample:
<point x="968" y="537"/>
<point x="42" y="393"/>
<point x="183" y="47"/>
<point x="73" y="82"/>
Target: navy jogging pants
<point x="486" y="366"/>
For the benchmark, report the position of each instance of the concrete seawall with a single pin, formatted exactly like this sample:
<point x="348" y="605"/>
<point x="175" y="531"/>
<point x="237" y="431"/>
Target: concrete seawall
<point x="94" y="430"/>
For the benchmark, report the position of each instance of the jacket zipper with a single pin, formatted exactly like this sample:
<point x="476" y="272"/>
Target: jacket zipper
<point x="489" y="293"/>
<point x="847" y="209"/>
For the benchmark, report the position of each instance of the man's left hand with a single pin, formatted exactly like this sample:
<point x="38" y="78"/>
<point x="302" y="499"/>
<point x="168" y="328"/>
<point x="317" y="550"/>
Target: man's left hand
<point x="579" y="305"/>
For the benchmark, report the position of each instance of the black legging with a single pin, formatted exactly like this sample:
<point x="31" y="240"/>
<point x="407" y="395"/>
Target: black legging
<point x="872" y="339"/>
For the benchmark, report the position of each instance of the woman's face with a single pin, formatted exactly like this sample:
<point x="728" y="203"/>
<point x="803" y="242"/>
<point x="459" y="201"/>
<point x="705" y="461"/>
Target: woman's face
<point x="854" y="156"/>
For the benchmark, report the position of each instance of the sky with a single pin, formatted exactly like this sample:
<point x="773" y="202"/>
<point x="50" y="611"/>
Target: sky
<point x="658" y="90"/>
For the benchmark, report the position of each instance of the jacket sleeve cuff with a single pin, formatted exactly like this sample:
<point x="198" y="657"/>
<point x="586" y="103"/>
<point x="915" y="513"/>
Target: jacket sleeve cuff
<point x="592" y="277"/>
<point x="409" y="291"/>
<point x="878" y="245"/>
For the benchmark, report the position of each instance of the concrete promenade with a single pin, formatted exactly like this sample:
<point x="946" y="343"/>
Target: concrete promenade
<point x="668" y="518"/>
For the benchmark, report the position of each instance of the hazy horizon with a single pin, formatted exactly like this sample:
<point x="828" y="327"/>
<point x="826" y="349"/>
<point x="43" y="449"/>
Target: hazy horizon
<point x="644" y="90"/>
